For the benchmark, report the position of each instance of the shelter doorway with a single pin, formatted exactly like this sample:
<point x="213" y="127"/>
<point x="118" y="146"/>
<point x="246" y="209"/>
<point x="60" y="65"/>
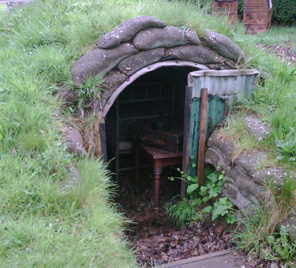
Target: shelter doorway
<point x="160" y="93"/>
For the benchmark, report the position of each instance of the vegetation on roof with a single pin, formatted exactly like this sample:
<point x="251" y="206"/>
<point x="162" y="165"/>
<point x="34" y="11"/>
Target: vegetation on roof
<point x="43" y="224"/>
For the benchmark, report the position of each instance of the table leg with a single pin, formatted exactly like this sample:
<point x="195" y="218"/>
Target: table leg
<point x="183" y="188"/>
<point x="157" y="173"/>
<point x="137" y="167"/>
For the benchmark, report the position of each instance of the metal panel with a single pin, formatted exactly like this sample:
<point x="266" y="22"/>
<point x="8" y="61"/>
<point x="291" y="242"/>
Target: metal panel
<point x="215" y="114"/>
<point x="193" y="136"/>
<point x="223" y="87"/>
<point x="223" y="84"/>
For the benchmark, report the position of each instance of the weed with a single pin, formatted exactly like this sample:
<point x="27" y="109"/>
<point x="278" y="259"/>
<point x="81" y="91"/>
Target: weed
<point x="185" y="211"/>
<point x="89" y="92"/>
<point x="252" y="234"/>
<point x="201" y="201"/>
<point x="41" y="225"/>
<point x="281" y="248"/>
<point x="236" y="130"/>
<point x="287" y="145"/>
<point x="223" y="208"/>
<point x="257" y="227"/>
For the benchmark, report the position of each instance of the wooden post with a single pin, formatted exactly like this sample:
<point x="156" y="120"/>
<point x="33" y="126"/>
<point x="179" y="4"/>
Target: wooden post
<point x="99" y="137"/>
<point x="186" y="143"/>
<point x="202" y="135"/>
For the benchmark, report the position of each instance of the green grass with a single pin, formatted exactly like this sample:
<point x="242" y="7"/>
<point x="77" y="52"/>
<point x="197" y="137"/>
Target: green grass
<point x="3" y="9"/>
<point x="257" y="228"/>
<point x="275" y="35"/>
<point x="42" y="225"/>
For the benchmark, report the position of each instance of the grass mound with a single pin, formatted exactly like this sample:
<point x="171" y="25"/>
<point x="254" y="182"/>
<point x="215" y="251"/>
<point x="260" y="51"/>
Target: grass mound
<point x="43" y="225"/>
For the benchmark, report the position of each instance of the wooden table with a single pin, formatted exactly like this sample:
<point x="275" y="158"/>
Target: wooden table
<point x="160" y="158"/>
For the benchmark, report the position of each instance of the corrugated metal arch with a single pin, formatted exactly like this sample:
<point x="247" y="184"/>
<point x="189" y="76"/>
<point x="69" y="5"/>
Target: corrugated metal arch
<point x="143" y="71"/>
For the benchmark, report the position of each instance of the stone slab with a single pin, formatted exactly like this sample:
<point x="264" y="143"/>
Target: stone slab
<point x="140" y="60"/>
<point x="74" y="142"/>
<point x="112" y="81"/>
<point x="237" y="198"/>
<point x="215" y="158"/>
<point x="199" y="54"/>
<point x="125" y="31"/>
<point x="72" y="179"/>
<point x="225" y="47"/>
<point x="166" y="37"/>
<point x="67" y="96"/>
<point x="250" y="161"/>
<point x="245" y="184"/>
<point x="221" y="144"/>
<point x="220" y="259"/>
<point x="276" y="174"/>
<point x="256" y="127"/>
<point x="100" y="61"/>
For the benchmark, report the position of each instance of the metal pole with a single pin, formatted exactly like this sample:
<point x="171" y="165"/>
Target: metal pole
<point x="202" y="135"/>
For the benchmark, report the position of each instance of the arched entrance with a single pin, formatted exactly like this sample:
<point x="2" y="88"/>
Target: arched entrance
<point x="159" y="90"/>
<point x="150" y="68"/>
<point x="140" y="46"/>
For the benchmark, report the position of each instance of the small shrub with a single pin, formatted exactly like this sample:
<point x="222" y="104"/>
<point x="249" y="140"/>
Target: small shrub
<point x="284" y="12"/>
<point x="201" y="201"/>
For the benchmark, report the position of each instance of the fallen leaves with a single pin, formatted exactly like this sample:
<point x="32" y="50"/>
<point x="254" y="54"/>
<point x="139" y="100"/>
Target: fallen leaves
<point x="285" y="51"/>
<point x="157" y="241"/>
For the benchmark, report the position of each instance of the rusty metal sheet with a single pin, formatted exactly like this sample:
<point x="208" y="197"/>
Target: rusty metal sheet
<point x="215" y="114"/>
<point x="224" y="84"/>
<point x="223" y="87"/>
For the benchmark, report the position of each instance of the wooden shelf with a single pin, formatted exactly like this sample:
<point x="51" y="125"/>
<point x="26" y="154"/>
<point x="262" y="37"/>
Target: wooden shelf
<point x="144" y="100"/>
<point x="131" y="168"/>
<point x="141" y="117"/>
<point x="141" y="102"/>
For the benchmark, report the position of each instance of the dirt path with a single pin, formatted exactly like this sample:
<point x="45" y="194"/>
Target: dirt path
<point x="158" y="241"/>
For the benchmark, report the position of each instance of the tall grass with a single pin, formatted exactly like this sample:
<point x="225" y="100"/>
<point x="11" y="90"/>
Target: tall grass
<point x="41" y="224"/>
<point x="257" y="227"/>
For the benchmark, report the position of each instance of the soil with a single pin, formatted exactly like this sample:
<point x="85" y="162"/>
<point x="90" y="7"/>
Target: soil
<point x="285" y="51"/>
<point x="158" y="241"/>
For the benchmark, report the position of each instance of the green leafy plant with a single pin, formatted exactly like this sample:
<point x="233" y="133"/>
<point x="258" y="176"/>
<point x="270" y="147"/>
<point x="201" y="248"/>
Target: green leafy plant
<point x="202" y="201"/>
<point x="281" y="248"/>
<point x="223" y="207"/>
<point x="256" y="229"/>
<point x="287" y="146"/>
<point x="185" y="211"/>
<point x="1" y="136"/>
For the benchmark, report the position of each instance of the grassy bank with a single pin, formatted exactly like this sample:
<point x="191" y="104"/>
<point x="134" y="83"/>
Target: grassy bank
<point x="41" y="224"/>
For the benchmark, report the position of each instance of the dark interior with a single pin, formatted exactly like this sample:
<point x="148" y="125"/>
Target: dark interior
<point x="155" y="94"/>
